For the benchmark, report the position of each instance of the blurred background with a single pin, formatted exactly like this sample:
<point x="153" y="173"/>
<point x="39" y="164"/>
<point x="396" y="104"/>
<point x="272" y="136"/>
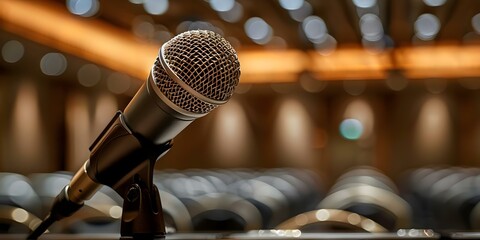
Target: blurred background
<point x="328" y="86"/>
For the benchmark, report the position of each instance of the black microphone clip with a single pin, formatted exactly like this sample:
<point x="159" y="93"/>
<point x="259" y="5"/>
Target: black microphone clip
<point x="125" y="162"/>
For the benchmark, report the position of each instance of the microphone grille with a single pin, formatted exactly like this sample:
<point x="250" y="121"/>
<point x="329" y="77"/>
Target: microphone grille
<point x="206" y="63"/>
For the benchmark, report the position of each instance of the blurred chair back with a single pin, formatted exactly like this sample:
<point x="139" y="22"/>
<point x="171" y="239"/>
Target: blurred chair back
<point x="20" y="205"/>
<point x="224" y="212"/>
<point x="331" y="220"/>
<point x="101" y="214"/>
<point x="369" y="193"/>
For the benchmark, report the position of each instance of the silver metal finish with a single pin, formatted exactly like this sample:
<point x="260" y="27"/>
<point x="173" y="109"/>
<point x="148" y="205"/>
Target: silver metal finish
<point x="197" y="71"/>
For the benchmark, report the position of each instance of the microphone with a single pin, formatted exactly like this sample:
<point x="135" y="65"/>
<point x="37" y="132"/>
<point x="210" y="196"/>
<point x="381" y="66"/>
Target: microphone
<point x="194" y="73"/>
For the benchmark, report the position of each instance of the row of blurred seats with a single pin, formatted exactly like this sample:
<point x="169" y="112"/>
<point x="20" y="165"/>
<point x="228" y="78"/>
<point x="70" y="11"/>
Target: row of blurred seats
<point x="237" y="200"/>
<point x="444" y="198"/>
<point x="192" y="200"/>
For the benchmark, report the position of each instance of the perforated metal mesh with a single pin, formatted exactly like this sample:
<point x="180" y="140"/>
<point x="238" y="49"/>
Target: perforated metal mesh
<point x="176" y="94"/>
<point x="206" y="62"/>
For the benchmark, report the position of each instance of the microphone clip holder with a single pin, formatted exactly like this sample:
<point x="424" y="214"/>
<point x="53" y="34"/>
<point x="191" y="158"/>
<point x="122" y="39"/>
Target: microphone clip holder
<point x="142" y="216"/>
<point x="125" y="162"/>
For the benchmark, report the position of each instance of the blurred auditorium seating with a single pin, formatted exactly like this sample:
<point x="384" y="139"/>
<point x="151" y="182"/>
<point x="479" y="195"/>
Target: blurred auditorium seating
<point x="192" y="200"/>
<point x="371" y="194"/>
<point x="331" y="220"/>
<point x="175" y="213"/>
<point x="444" y="198"/>
<point x="239" y="200"/>
<point x="224" y="212"/>
<point x="100" y="214"/>
<point x="19" y="204"/>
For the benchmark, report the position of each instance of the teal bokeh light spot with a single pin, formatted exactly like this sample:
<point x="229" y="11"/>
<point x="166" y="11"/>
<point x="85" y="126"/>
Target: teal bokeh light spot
<point x="351" y="129"/>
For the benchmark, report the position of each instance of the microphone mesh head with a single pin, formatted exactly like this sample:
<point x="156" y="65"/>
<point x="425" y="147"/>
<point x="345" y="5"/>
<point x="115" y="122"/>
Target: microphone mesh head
<point x="206" y="63"/>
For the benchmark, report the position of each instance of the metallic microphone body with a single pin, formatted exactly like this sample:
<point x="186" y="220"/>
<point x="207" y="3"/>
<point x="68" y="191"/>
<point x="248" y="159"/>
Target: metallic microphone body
<point x="194" y="73"/>
<point x="147" y="115"/>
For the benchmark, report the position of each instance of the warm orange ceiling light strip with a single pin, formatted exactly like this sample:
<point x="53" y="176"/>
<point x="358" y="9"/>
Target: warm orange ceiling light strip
<point x="439" y="61"/>
<point x="271" y="66"/>
<point x="350" y="63"/>
<point x="52" y="25"/>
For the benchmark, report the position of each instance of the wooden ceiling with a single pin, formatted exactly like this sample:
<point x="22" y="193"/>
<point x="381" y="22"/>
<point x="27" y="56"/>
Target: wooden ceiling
<point x="454" y="52"/>
<point x="340" y="16"/>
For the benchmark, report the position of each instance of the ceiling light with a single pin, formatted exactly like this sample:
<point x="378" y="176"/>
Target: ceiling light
<point x="427" y="26"/>
<point x="118" y="83"/>
<point x="374" y="46"/>
<point x="258" y="30"/>
<point x="12" y="51"/>
<point x="84" y="8"/>
<point x="364" y="3"/>
<point x="436" y="85"/>
<point x="301" y="13"/>
<point x="476" y="23"/>
<point x="233" y="15"/>
<point x="315" y="29"/>
<point x="156" y="7"/>
<point x="53" y="64"/>
<point x="89" y="75"/>
<point x="396" y="81"/>
<point x="355" y="87"/>
<point x="434" y="3"/>
<point x="291" y="4"/>
<point x="222" y="5"/>
<point x="326" y="46"/>
<point x="351" y="129"/>
<point x="183" y="26"/>
<point x="310" y="84"/>
<point x="136" y="1"/>
<point x="371" y="27"/>
<point x="143" y="27"/>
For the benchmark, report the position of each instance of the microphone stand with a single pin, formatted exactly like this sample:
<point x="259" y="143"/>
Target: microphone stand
<point x="124" y="161"/>
<point x="142" y="215"/>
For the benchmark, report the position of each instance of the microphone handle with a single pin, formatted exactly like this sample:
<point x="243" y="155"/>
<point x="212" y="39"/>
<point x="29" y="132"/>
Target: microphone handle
<point x="114" y="155"/>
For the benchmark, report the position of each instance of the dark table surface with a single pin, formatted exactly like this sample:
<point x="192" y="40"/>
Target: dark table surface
<point x="257" y="235"/>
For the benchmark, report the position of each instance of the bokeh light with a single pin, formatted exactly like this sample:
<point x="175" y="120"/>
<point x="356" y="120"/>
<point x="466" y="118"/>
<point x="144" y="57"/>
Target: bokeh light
<point x="301" y="13"/>
<point x="291" y="4"/>
<point x="327" y="46"/>
<point x="364" y="3"/>
<point x="476" y="22"/>
<point x="310" y="84"/>
<point x="315" y="29"/>
<point x="351" y="129"/>
<point x="355" y="87"/>
<point x="233" y="15"/>
<point x="20" y="215"/>
<point x="396" y="81"/>
<point x="118" y="83"/>
<point x="258" y="30"/>
<point x="155" y="7"/>
<point x="89" y="75"/>
<point x="12" y="51"/>
<point x="222" y="5"/>
<point x="53" y="64"/>
<point x="434" y="3"/>
<point x="371" y="27"/>
<point x="427" y="26"/>
<point x="84" y="8"/>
